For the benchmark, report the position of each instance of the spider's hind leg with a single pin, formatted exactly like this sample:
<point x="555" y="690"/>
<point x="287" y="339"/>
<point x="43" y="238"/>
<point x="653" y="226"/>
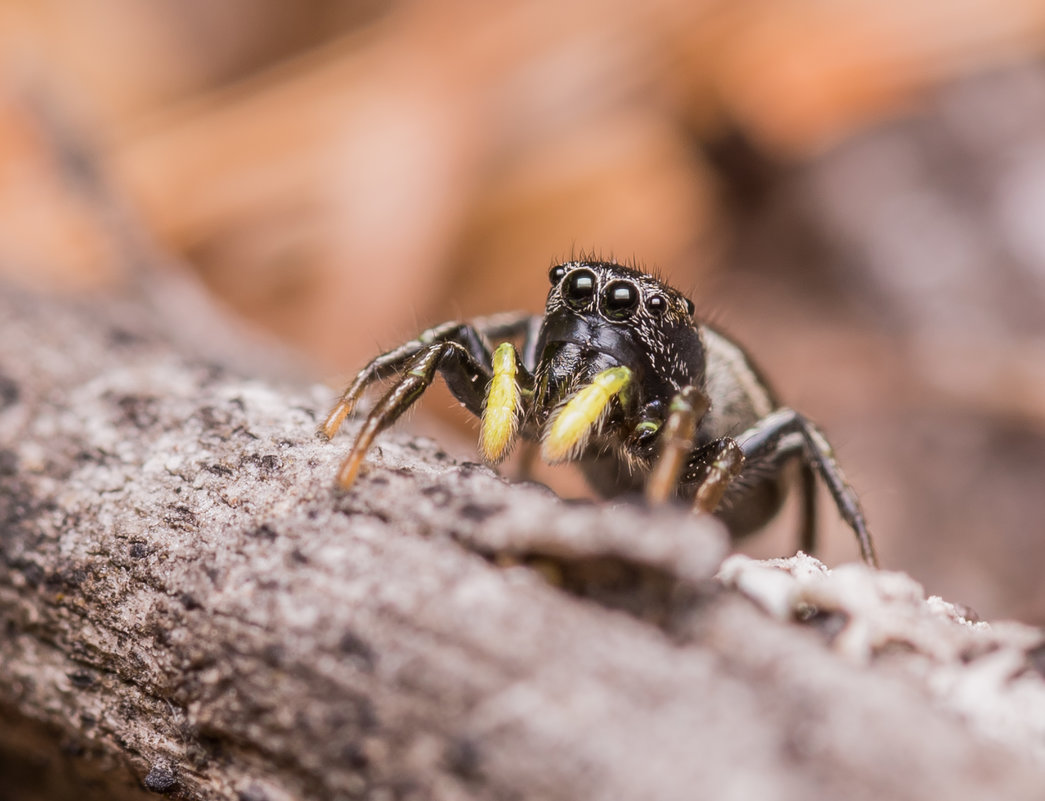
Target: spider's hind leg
<point x="785" y="434"/>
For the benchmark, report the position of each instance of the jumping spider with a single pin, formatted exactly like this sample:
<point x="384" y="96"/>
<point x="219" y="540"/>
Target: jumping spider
<point x="618" y="376"/>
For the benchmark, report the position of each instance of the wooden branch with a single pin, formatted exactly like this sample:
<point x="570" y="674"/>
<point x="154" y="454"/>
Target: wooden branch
<point x="190" y="607"/>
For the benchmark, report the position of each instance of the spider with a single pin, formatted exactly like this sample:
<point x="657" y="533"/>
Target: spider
<point x="620" y="377"/>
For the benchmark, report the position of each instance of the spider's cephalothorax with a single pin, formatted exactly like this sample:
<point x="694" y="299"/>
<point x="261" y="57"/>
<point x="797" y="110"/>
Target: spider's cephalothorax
<point x="618" y="376"/>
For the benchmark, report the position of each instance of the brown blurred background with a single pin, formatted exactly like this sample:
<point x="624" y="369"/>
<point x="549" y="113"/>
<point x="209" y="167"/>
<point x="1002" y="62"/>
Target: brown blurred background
<point x="855" y="189"/>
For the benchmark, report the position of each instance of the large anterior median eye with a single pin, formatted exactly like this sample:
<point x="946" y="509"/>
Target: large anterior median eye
<point x="620" y="299"/>
<point x="579" y="288"/>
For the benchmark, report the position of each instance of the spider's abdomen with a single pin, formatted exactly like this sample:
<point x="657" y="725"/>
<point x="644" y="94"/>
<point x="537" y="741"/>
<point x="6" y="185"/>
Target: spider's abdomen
<point x="738" y="392"/>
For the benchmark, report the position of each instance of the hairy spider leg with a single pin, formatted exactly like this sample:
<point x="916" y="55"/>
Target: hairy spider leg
<point x="470" y="335"/>
<point x="677" y="438"/>
<point x="500" y="421"/>
<point x="385" y="366"/>
<point x="570" y="427"/>
<point x="464" y="374"/>
<point x="785" y="432"/>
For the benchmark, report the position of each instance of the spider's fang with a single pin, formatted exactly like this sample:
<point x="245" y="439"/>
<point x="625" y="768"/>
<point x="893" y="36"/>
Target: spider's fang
<point x="501" y="411"/>
<point x="571" y="426"/>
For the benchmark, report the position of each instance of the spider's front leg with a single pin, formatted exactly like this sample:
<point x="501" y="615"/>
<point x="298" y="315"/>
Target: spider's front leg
<point x="466" y="376"/>
<point x="678" y="438"/>
<point x="471" y="336"/>
<point x="487" y="386"/>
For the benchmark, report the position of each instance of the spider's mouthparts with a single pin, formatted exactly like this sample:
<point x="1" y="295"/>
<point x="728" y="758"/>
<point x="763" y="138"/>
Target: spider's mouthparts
<point x="570" y="427"/>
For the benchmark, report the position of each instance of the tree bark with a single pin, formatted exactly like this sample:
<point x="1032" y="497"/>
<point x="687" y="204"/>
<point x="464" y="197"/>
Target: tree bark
<point x="189" y="606"/>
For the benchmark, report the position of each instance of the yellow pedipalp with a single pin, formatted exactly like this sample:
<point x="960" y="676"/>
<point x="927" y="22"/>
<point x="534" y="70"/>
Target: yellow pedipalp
<point x="501" y="412"/>
<point x="571" y="426"/>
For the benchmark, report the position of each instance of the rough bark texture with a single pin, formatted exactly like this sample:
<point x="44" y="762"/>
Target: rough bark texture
<point x="189" y="607"/>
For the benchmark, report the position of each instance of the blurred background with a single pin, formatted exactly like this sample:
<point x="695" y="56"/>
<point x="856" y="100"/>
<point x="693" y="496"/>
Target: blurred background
<point x="854" y="189"/>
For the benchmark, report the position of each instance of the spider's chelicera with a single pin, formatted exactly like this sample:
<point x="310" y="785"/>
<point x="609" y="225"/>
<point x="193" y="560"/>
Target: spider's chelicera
<point x="619" y="377"/>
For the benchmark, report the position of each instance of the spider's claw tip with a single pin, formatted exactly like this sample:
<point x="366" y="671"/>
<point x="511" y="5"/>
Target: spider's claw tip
<point x="337" y="416"/>
<point x="349" y="471"/>
<point x="655" y="495"/>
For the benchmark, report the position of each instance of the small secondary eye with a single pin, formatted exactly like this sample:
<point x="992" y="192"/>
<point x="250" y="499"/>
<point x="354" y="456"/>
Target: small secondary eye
<point x="556" y="273"/>
<point x="689" y="306"/>
<point x="579" y="288"/>
<point x="620" y="299"/>
<point x="657" y="304"/>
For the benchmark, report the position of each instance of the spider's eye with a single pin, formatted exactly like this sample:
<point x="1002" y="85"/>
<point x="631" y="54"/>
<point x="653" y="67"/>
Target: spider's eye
<point x="689" y="306"/>
<point x="556" y="273"/>
<point x="657" y="304"/>
<point x="620" y="299"/>
<point x="579" y="288"/>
